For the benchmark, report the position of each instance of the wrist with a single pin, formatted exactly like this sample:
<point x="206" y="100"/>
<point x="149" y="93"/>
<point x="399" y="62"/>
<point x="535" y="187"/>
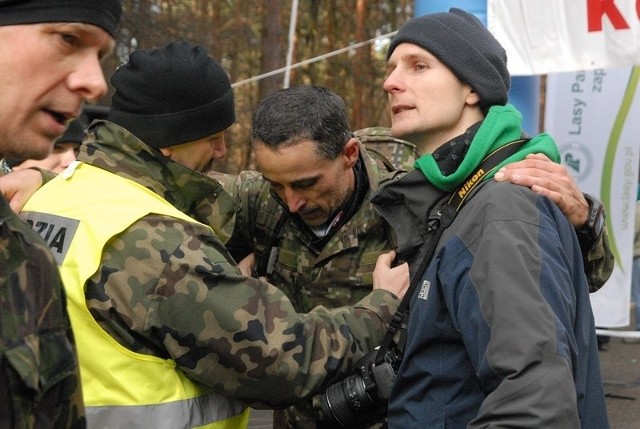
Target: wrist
<point x="591" y="231"/>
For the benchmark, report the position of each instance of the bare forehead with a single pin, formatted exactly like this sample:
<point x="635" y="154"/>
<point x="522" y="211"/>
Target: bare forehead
<point x="301" y="151"/>
<point x="290" y="164"/>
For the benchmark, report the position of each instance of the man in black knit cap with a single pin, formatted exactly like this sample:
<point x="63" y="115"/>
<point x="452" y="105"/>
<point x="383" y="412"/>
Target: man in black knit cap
<point x="50" y="55"/>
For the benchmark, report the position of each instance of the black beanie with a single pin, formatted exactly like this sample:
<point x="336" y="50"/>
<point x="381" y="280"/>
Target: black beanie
<point x="102" y="13"/>
<point x="461" y="42"/>
<point x="73" y="134"/>
<point x="172" y="95"/>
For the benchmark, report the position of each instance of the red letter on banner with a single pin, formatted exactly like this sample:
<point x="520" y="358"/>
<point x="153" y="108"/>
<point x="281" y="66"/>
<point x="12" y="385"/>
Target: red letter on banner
<point x="597" y="8"/>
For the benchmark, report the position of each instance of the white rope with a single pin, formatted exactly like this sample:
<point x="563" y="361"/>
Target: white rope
<point x="312" y="60"/>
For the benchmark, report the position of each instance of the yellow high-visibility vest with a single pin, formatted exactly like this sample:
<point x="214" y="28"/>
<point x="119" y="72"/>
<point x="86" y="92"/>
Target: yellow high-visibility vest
<point x="77" y="213"/>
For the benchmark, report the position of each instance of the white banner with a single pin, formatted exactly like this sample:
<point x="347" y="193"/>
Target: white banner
<point x="546" y="36"/>
<point x="593" y="116"/>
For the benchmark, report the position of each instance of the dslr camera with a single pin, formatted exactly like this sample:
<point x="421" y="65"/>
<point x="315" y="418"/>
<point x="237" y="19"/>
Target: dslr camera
<point x="361" y="398"/>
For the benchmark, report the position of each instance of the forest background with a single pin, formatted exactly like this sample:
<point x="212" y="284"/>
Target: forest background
<point x="250" y="38"/>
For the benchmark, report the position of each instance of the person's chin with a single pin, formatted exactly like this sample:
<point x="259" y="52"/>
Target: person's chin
<point x="207" y="167"/>
<point x="402" y="125"/>
<point x="406" y="131"/>
<point x="35" y="147"/>
<point x="313" y="219"/>
<point x="400" y="132"/>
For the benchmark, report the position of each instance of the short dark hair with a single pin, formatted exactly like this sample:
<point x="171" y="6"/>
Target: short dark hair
<point x="306" y="112"/>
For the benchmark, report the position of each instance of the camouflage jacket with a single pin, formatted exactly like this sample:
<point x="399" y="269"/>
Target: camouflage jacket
<point x="39" y="378"/>
<point x="169" y="288"/>
<point x="339" y="273"/>
<point x="4" y="167"/>
<point x="393" y="153"/>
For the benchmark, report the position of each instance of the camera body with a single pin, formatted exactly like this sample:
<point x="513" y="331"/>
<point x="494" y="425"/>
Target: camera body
<point x="362" y="397"/>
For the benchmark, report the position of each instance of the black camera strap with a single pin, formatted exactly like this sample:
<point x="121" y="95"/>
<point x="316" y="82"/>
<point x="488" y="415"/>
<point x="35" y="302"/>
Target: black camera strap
<point x="436" y="224"/>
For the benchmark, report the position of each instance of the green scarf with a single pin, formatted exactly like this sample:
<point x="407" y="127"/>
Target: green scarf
<point x="503" y="124"/>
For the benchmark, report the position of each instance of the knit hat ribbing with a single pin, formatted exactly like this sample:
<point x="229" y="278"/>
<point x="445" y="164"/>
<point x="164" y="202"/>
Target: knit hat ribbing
<point x="73" y="134"/>
<point x="102" y="13"/>
<point x="172" y="95"/>
<point x="461" y="42"/>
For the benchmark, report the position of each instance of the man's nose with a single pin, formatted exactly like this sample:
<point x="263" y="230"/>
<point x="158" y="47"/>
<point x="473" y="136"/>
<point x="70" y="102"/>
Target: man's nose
<point x="294" y="200"/>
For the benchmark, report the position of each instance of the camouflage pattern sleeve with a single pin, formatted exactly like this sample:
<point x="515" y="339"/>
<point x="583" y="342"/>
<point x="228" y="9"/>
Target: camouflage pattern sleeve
<point x="182" y="297"/>
<point x="391" y="152"/>
<point x="4" y="167"/>
<point x="248" y="188"/>
<point x="599" y="262"/>
<point x="46" y="174"/>
<point x="39" y="373"/>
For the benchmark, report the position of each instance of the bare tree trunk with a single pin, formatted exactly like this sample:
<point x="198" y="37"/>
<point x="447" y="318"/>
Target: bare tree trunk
<point x="359" y="61"/>
<point x="271" y="47"/>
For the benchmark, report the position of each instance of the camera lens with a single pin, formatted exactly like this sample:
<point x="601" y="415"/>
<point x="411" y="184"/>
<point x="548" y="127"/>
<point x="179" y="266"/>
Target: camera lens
<point x="361" y="398"/>
<point x="345" y="401"/>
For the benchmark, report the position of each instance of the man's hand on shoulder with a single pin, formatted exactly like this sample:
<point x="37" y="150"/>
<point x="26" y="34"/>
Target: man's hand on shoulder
<point x="550" y="179"/>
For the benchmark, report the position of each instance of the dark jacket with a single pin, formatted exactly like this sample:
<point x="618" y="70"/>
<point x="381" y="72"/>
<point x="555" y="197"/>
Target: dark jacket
<point x="500" y="331"/>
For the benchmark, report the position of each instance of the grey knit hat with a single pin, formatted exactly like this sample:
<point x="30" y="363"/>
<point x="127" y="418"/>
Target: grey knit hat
<point x="102" y="13"/>
<point x="461" y="42"/>
<point x="172" y="95"/>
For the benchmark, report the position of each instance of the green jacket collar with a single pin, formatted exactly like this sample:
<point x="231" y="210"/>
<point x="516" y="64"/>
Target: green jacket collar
<point x="503" y="124"/>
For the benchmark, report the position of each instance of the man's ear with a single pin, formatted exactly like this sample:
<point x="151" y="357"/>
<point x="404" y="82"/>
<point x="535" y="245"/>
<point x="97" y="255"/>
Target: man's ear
<point x="473" y="98"/>
<point x="166" y="151"/>
<point x="351" y="152"/>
